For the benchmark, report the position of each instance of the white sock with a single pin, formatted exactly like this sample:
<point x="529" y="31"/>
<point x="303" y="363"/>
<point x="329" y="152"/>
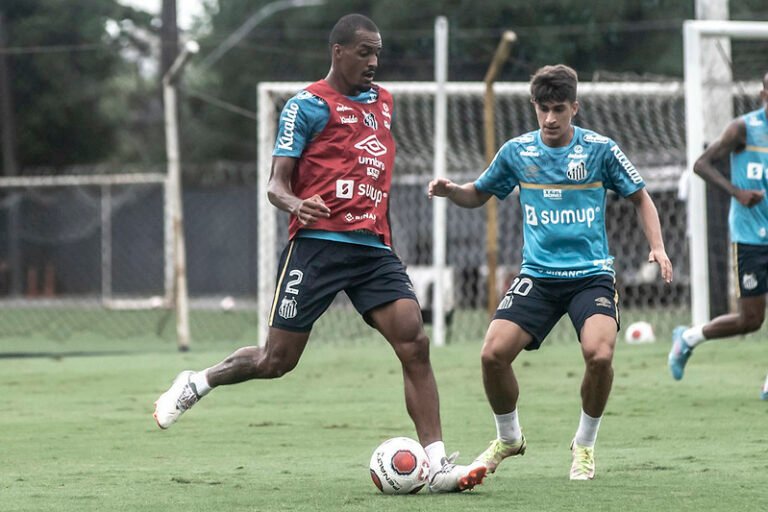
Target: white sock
<point x="435" y="454"/>
<point x="693" y="336"/>
<point x="508" y="427"/>
<point x="200" y="381"/>
<point x="586" y="435"/>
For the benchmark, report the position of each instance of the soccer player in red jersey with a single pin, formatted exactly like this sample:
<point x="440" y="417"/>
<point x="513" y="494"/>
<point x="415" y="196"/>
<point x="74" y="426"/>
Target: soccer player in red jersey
<point x="332" y="171"/>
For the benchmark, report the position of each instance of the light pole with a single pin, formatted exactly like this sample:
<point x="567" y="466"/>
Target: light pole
<point x="179" y="268"/>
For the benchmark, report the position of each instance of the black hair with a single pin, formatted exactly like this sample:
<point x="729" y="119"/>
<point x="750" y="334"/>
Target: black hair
<point x="345" y="29"/>
<point x="554" y="83"/>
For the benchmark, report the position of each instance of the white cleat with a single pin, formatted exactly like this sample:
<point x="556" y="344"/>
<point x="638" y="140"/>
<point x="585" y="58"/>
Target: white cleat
<point x="583" y="466"/>
<point x="180" y="396"/>
<point x="456" y="478"/>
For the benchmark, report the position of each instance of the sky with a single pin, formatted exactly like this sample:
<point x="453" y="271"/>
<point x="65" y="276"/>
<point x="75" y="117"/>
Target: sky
<point x="186" y="10"/>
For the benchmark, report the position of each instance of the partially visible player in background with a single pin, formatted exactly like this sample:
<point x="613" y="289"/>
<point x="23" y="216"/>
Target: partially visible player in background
<point x="332" y="170"/>
<point x="563" y="173"/>
<point x="745" y="140"/>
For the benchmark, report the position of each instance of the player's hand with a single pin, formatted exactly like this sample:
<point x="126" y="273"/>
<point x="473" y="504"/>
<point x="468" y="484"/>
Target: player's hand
<point x="312" y="209"/>
<point x="749" y="198"/>
<point x="660" y="256"/>
<point x="441" y="187"/>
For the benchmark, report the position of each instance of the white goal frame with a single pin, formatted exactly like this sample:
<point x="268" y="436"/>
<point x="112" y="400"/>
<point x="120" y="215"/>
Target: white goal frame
<point x="171" y="293"/>
<point x="695" y="33"/>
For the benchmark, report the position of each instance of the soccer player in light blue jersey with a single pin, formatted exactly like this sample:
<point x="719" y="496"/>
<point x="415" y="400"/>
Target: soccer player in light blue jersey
<point x="563" y="173"/>
<point x="745" y="140"/>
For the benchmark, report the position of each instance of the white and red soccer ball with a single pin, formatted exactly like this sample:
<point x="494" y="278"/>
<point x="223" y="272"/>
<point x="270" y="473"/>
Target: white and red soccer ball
<point x="639" y="332"/>
<point x="399" y="466"/>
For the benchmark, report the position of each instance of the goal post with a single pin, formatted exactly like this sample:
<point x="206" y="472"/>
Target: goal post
<point x="100" y="242"/>
<point x="695" y="33"/>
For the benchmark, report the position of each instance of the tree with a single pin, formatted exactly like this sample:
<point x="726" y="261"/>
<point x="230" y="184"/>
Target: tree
<point x="64" y="67"/>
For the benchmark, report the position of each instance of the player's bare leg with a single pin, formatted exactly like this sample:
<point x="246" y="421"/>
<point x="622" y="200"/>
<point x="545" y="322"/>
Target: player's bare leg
<point x="277" y="357"/>
<point x="401" y="324"/>
<point x="503" y="343"/>
<point x="598" y="341"/>
<point x="749" y="318"/>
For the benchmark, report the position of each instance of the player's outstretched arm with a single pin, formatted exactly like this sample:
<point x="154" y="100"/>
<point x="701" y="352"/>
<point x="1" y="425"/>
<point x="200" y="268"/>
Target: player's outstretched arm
<point x="279" y="192"/>
<point x="465" y="195"/>
<point x="649" y="218"/>
<point x="733" y="138"/>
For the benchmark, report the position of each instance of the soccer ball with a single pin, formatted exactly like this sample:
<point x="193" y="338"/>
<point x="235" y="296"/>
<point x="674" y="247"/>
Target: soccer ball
<point x="399" y="466"/>
<point x="639" y="332"/>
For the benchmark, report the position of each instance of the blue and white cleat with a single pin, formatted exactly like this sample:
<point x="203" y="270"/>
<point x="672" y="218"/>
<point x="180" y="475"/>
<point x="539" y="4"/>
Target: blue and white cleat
<point x="679" y="354"/>
<point x="764" y="391"/>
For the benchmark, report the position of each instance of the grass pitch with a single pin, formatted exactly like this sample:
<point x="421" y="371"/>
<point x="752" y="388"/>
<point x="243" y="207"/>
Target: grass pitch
<point x="76" y="433"/>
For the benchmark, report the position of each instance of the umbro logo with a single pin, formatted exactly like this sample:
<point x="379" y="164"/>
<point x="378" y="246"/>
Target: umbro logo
<point x="372" y="145"/>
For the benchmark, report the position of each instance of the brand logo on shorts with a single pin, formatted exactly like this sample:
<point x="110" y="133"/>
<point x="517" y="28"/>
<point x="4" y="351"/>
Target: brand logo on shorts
<point x="603" y="302"/>
<point x="507" y="301"/>
<point x="749" y="281"/>
<point x="287" y="308"/>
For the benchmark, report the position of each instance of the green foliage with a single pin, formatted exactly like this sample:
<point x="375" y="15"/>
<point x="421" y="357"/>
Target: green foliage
<point x="63" y="76"/>
<point x="291" y="45"/>
<point x="78" y="433"/>
<point x="82" y="97"/>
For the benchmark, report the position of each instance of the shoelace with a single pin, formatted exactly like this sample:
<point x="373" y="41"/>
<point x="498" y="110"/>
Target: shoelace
<point x="583" y="460"/>
<point x="188" y="397"/>
<point x="448" y="463"/>
<point x="492" y="451"/>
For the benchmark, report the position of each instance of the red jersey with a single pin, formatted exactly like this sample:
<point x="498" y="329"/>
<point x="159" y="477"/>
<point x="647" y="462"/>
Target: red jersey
<point x="349" y="164"/>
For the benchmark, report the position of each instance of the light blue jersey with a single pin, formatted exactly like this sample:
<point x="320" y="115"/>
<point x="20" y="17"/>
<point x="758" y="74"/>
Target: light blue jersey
<point x="749" y="170"/>
<point x="562" y="197"/>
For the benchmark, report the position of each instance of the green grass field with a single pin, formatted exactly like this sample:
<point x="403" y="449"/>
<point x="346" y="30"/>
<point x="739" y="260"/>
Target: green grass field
<point x="77" y="432"/>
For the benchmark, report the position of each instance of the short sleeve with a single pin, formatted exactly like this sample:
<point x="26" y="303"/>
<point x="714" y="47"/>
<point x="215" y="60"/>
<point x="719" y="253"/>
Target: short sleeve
<point x="302" y="118"/>
<point x="499" y="178"/>
<point x="621" y="176"/>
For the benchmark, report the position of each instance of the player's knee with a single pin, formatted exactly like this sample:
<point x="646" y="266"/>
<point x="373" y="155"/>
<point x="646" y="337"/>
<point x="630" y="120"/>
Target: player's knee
<point x="414" y="348"/>
<point x="752" y="323"/>
<point x="492" y="358"/>
<point x="274" y="366"/>
<point x="599" y="360"/>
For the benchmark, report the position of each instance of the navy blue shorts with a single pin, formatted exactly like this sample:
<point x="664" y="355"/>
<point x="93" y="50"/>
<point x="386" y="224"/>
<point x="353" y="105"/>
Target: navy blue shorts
<point x="753" y="269"/>
<point x="537" y="304"/>
<point x="311" y="272"/>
